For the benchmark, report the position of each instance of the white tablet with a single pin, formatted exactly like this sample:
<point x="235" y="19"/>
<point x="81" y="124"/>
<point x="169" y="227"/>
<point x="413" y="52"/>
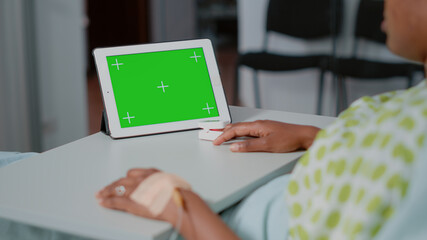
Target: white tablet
<point x="162" y="87"/>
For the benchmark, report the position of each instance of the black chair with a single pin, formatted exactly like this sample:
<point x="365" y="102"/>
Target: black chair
<point x="368" y="27"/>
<point x="304" y="19"/>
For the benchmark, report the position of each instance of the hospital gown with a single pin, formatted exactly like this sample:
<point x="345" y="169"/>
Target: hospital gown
<point x="361" y="179"/>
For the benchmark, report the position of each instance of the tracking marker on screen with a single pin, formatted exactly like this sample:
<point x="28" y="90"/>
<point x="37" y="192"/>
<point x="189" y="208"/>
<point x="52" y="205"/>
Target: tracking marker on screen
<point x="195" y="56"/>
<point x="129" y="117"/>
<point x="208" y="108"/>
<point x="117" y="64"/>
<point x="163" y="86"/>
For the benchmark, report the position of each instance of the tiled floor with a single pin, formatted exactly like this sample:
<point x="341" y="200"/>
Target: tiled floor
<point x="226" y="58"/>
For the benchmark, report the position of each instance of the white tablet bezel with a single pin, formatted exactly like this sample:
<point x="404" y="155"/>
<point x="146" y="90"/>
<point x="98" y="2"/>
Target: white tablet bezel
<point x="101" y="54"/>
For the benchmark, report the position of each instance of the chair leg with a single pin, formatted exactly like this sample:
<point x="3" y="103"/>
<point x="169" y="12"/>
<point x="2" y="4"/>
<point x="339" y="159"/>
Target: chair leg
<point x="344" y="92"/>
<point x="256" y="90"/>
<point x="410" y="80"/>
<point x="337" y="94"/>
<point x="341" y="94"/>
<point x="320" y="92"/>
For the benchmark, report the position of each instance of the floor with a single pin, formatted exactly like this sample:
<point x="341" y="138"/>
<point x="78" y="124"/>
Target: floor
<point x="226" y="58"/>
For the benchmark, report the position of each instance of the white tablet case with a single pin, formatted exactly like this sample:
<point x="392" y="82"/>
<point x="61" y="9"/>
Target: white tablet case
<point x="213" y="73"/>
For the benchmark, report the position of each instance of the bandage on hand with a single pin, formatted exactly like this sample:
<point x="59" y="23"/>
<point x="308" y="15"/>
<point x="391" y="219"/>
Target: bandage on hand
<point x="155" y="192"/>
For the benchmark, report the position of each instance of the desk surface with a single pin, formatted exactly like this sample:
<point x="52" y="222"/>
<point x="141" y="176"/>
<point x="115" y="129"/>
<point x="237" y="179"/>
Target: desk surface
<point x="56" y="189"/>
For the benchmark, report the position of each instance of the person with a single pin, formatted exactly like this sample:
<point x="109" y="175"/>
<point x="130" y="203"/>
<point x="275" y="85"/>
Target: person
<point x="354" y="182"/>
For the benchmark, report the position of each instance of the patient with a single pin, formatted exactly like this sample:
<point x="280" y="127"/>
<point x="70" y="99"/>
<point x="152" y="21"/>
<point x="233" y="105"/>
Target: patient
<point x="353" y="181"/>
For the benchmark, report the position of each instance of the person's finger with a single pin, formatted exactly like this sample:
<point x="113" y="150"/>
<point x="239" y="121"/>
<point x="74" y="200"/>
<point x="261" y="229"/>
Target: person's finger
<point x="117" y="203"/>
<point x="218" y="140"/>
<point x="110" y="190"/>
<point x="141" y="172"/>
<point x="237" y="130"/>
<point x="251" y="145"/>
<point x="127" y="205"/>
<point x="227" y="127"/>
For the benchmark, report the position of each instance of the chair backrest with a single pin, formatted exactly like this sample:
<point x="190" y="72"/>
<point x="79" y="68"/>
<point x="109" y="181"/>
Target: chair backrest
<point x="308" y="19"/>
<point x="369" y="18"/>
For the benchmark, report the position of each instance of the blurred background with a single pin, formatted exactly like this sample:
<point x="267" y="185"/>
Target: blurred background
<point x="307" y="56"/>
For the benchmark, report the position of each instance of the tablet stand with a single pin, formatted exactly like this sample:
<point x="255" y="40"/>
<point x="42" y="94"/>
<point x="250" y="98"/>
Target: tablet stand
<point x="104" y="124"/>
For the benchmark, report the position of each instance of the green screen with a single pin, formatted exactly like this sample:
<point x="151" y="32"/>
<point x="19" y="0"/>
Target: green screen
<point x="160" y="87"/>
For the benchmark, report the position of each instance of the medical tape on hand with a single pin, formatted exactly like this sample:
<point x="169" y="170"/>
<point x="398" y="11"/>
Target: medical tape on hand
<point x="155" y="192"/>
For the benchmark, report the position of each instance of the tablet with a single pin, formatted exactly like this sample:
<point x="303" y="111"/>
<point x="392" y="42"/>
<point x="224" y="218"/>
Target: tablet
<point x="161" y="87"/>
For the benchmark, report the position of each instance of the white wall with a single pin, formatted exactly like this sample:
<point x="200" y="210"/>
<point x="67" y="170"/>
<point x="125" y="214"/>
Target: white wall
<point x="14" y="102"/>
<point x="61" y="68"/>
<point x="297" y="91"/>
<point x="42" y="74"/>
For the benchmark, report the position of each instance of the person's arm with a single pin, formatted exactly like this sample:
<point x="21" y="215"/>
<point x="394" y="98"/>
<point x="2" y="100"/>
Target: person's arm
<point x="271" y="136"/>
<point x="198" y="220"/>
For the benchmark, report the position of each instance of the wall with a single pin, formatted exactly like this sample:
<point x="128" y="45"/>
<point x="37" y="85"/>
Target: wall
<point x="61" y="70"/>
<point x="42" y="74"/>
<point x="15" y="133"/>
<point x="172" y="20"/>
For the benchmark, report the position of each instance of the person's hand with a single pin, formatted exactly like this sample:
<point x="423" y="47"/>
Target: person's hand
<point x="271" y="136"/>
<point x="198" y="221"/>
<point x="108" y="197"/>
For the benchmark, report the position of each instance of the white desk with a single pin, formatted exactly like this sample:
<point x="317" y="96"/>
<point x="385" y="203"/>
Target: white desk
<point x="56" y="189"/>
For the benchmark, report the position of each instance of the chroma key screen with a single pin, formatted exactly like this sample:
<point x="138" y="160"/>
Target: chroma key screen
<point x="161" y="87"/>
